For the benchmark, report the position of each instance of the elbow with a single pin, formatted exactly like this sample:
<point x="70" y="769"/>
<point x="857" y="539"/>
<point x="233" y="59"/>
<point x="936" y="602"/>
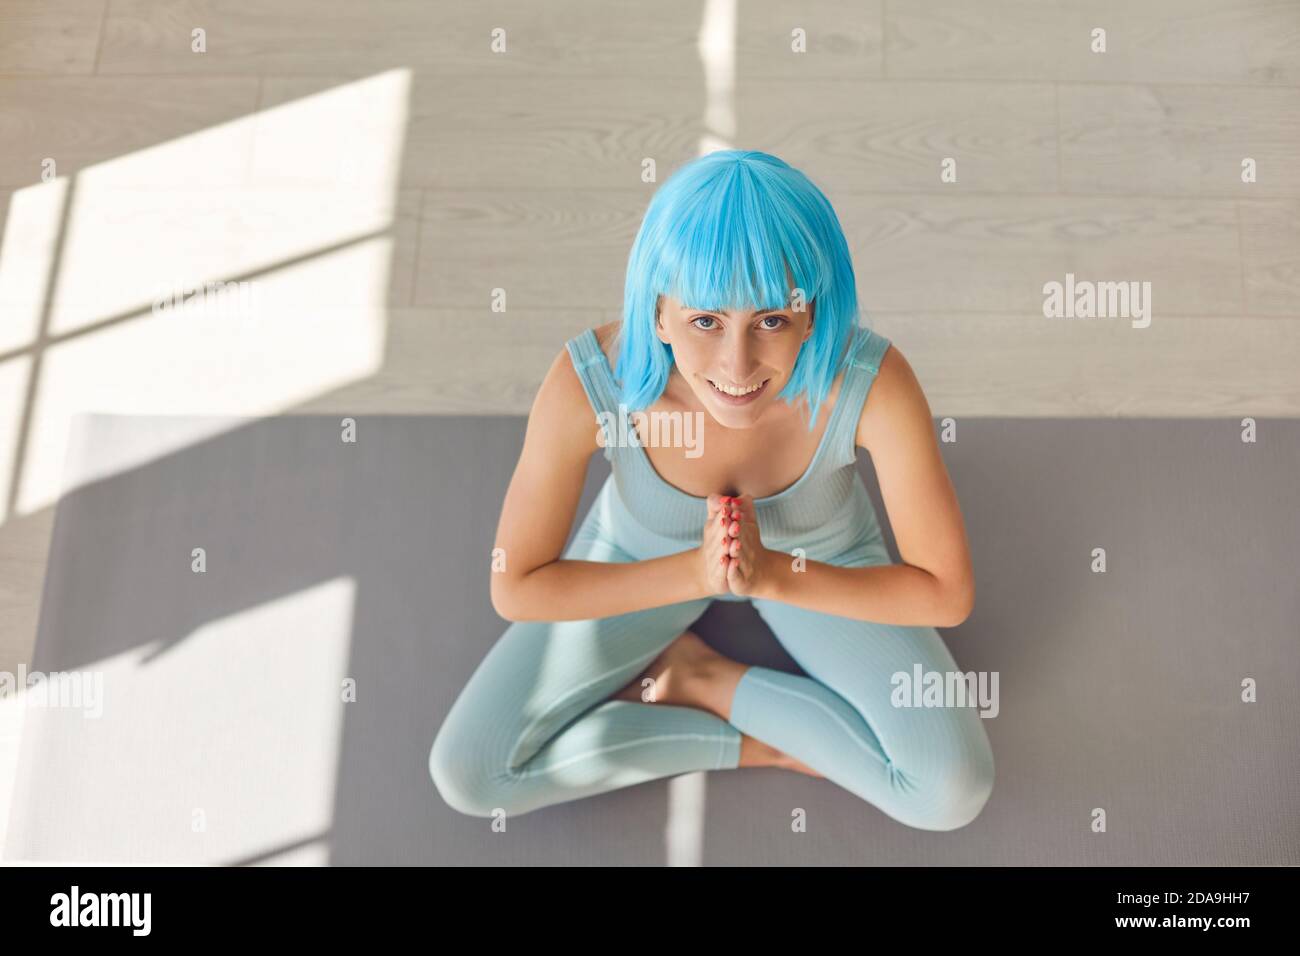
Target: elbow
<point x="960" y="604"/>
<point x="503" y="598"/>
<point x="509" y="597"/>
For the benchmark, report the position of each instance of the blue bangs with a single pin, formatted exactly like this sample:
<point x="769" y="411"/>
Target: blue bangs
<point x="734" y="230"/>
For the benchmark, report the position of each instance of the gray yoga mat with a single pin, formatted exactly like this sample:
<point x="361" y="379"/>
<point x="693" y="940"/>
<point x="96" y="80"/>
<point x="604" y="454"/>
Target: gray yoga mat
<point x="224" y="737"/>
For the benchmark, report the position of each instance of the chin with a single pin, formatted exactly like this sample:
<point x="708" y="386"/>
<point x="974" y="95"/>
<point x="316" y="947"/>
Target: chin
<point x="736" y="423"/>
<point x="737" y="416"/>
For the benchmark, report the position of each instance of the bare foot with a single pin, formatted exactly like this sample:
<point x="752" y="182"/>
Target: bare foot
<point x="689" y="673"/>
<point x="755" y="753"/>
<point x="798" y="766"/>
<point x="675" y="675"/>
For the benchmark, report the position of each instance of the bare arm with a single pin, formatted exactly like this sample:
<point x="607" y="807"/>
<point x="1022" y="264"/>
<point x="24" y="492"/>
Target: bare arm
<point x="538" y="513"/>
<point x="935" y="584"/>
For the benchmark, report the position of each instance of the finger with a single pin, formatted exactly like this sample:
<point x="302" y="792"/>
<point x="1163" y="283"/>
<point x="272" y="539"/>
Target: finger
<point x="734" y="577"/>
<point x="728" y="509"/>
<point x="715" y="504"/>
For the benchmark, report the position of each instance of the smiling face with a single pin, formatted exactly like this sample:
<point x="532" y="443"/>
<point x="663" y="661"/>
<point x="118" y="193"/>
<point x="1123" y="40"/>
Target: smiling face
<point x="736" y="363"/>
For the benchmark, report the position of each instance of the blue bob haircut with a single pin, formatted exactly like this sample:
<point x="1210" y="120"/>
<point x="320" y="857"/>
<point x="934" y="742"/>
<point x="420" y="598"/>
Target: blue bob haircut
<point x="735" y="230"/>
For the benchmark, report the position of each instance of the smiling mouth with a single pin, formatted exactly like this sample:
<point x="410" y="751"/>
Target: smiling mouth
<point x="735" y="393"/>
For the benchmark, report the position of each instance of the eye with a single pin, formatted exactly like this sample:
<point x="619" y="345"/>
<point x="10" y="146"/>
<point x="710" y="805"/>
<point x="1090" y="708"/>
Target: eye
<point x="778" y="318"/>
<point x="703" y="318"/>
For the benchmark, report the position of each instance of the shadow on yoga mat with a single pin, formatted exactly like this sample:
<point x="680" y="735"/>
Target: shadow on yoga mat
<point x="279" y="706"/>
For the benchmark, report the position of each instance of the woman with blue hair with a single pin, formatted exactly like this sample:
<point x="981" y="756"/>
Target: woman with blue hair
<point x="740" y="314"/>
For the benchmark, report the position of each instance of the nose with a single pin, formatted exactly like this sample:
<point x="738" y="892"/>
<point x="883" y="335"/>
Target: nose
<point x="738" y="359"/>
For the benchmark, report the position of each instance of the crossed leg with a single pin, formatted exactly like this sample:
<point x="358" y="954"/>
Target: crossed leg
<point x="690" y="673"/>
<point x="534" y="725"/>
<point x="927" y="767"/>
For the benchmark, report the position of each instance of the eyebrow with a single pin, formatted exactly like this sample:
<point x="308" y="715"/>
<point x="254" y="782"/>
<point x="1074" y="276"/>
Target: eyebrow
<point x="758" y="313"/>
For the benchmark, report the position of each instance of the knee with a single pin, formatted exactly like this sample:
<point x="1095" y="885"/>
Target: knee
<point x="459" y="779"/>
<point x="954" y="795"/>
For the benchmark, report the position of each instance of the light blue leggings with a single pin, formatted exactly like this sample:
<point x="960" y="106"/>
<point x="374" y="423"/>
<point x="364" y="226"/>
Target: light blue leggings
<point x="533" y="727"/>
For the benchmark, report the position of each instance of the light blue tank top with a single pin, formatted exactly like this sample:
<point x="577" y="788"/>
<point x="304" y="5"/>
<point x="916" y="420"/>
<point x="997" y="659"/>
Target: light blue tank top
<point x="827" y="512"/>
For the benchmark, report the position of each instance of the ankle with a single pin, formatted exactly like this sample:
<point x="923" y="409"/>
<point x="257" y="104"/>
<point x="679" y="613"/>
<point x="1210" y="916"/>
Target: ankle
<point x="711" y="683"/>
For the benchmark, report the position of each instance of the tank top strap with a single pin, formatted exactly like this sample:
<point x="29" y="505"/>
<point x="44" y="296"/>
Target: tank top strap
<point x="597" y="379"/>
<point x="861" y="365"/>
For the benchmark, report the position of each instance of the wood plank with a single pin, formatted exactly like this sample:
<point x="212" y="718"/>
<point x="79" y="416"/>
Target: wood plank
<point x="990" y="254"/>
<point x="893" y="136"/>
<point x="575" y="38"/>
<point x="1178" y="140"/>
<point x="460" y="361"/>
<point x="1178" y="367"/>
<point x="80" y="122"/>
<point x="550" y="249"/>
<point x="266" y="237"/>
<point x="49" y="36"/>
<point x="948" y="39"/>
<point x="562" y="132"/>
<point x="545" y="248"/>
<point x="1249" y="42"/>
<point x="1270" y="248"/>
<point x="842" y="41"/>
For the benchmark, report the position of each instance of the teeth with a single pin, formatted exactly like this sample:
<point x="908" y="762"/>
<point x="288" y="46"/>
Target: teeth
<point x="729" y="390"/>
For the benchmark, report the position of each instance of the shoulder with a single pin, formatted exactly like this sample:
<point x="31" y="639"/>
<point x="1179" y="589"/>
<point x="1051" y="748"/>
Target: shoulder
<point x="562" y="365"/>
<point x="895" y="398"/>
<point x="562" y="407"/>
<point x="607" y="336"/>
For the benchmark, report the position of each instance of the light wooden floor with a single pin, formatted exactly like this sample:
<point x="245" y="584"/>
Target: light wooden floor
<point x="375" y="171"/>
